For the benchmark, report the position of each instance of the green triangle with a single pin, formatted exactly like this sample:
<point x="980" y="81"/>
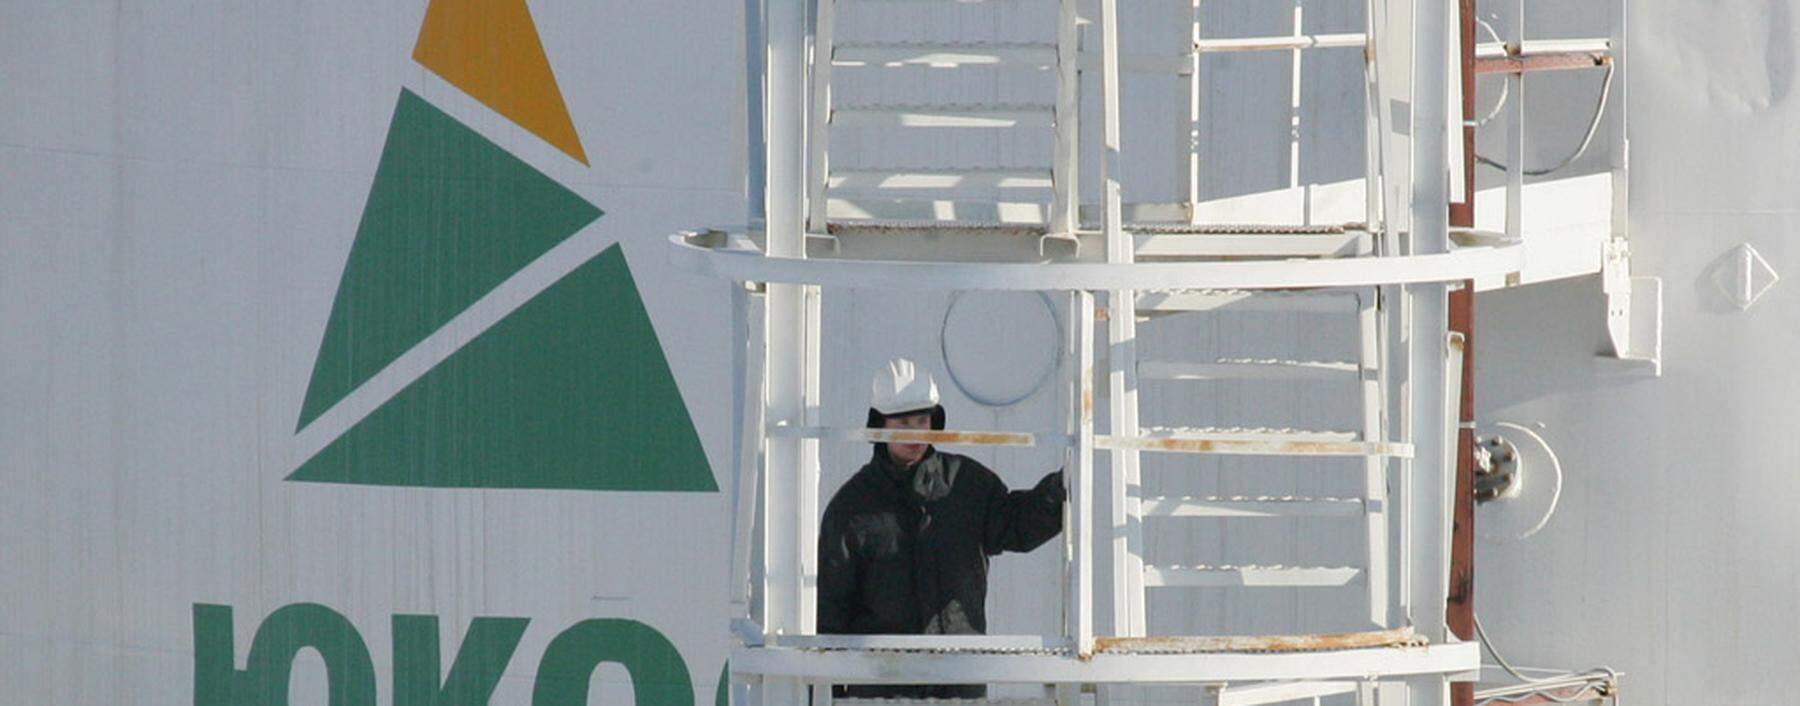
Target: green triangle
<point x="571" y="392"/>
<point x="451" y="215"/>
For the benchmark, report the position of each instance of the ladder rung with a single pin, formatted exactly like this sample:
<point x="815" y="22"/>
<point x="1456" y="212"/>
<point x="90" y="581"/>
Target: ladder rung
<point x="944" y="116"/>
<point x="1328" y="301"/>
<point x="1281" y="42"/>
<point x="1252" y="576"/>
<point x="1275" y="245"/>
<point x="1251" y="507"/>
<point x="945" y="55"/>
<point x="1247" y="369"/>
<point x="938" y="179"/>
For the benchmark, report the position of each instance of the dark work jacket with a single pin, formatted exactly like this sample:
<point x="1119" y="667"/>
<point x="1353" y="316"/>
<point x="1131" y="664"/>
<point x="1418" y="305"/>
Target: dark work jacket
<point x="892" y="563"/>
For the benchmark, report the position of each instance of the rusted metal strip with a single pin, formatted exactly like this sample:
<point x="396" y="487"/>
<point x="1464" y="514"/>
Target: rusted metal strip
<point x="1397" y="637"/>
<point x="1547" y="61"/>
<point x="1251" y="447"/>
<point x="1460" y="611"/>
<point x="911" y="436"/>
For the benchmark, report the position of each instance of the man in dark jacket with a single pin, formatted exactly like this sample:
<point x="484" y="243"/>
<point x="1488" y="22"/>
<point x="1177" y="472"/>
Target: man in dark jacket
<point x="904" y="545"/>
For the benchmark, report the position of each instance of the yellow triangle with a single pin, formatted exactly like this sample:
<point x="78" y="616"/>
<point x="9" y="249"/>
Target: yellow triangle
<point x="490" y="49"/>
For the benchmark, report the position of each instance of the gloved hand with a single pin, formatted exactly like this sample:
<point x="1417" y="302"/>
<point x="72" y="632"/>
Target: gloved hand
<point x="1053" y="487"/>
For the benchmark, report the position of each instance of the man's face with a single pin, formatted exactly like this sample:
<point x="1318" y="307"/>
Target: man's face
<point x="908" y="454"/>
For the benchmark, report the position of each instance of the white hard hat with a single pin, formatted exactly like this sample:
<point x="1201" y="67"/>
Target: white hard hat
<point x="901" y="387"/>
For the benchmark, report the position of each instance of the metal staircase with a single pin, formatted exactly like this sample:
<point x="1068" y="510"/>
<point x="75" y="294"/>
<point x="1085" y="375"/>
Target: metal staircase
<point x="1012" y="227"/>
<point x="883" y="198"/>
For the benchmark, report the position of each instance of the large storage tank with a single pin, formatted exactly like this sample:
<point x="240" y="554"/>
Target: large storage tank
<point x="344" y="332"/>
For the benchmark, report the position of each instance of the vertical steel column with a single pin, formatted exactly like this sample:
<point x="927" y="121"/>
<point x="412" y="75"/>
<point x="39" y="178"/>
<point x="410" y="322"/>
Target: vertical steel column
<point x="754" y="116"/>
<point x="1080" y="604"/>
<point x="1428" y="482"/>
<point x="1294" y="104"/>
<point x="1122" y="384"/>
<point x="1515" y="130"/>
<point x="791" y="478"/>
<point x="1462" y="211"/>
<point x="1394" y="82"/>
<point x="1187" y="168"/>
<point x="1078" y="477"/>
<point x="1372" y="124"/>
<point x="818" y="116"/>
<point x="750" y="316"/>
<point x="1620" y="111"/>
<point x="1065" y="205"/>
<point x="1376" y="505"/>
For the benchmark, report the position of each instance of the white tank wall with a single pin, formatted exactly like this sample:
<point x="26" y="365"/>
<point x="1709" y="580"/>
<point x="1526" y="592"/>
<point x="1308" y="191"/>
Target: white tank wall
<point x="182" y="182"/>
<point x="182" y="185"/>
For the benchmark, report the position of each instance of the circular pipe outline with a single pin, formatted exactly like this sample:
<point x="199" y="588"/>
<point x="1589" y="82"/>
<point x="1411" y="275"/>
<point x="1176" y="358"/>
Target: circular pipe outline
<point x="944" y="351"/>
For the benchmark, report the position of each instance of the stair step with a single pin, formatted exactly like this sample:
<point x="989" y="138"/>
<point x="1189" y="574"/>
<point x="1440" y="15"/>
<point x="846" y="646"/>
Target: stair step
<point x="1259" y="506"/>
<point x="979" y="116"/>
<point x="880" y="226"/>
<point x="1276" y="692"/>
<point x="1248" y="369"/>
<point x="1248" y="245"/>
<point x="927" y="210"/>
<point x="1254" y="442"/>
<point x="939" y="179"/>
<point x="945" y="55"/>
<point x="1252" y="576"/>
<point x="1323" y="301"/>
<point x="1241" y="229"/>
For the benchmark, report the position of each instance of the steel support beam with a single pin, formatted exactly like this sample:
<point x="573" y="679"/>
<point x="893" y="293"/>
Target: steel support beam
<point x="1428" y="483"/>
<point x="791" y="479"/>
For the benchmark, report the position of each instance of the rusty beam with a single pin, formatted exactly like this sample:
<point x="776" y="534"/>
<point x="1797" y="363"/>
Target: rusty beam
<point x="1547" y="61"/>
<point x="1460" y="613"/>
<point x="911" y="436"/>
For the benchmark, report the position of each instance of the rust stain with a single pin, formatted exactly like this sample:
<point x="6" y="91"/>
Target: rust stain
<point x="1398" y="637"/>
<point x="984" y="438"/>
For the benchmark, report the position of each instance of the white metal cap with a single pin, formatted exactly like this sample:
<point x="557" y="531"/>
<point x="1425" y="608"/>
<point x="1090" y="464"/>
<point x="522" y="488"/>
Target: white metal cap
<point x="900" y="387"/>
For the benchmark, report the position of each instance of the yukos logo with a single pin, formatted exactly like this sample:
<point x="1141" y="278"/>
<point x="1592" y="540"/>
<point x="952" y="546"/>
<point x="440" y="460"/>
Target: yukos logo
<point x="569" y="390"/>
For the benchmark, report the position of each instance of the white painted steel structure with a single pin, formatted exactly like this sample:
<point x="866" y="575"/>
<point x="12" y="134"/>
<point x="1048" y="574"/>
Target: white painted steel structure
<point x="1397" y="264"/>
<point x="183" y="185"/>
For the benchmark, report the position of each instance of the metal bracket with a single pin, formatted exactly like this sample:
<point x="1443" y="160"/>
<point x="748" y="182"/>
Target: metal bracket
<point x="1633" y="309"/>
<point x="1497" y="471"/>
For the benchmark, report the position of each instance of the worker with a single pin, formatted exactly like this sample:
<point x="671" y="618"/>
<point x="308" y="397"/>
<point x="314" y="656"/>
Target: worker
<point x="904" y="544"/>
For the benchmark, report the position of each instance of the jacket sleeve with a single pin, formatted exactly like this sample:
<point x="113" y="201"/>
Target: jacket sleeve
<point x="1023" y="520"/>
<point x="837" y="574"/>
